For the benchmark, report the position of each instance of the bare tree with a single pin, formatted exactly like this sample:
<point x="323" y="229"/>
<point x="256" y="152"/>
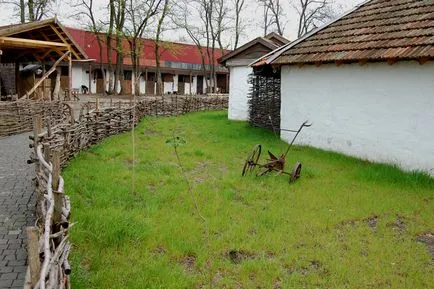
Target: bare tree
<point x="139" y="14"/>
<point x="38" y="9"/>
<point x="33" y="9"/>
<point x="221" y="21"/>
<point x="312" y="14"/>
<point x="184" y="11"/>
<point x="239" y="27"/>
<point x="109" y="34"/>
<point x="273" y="16"/>
<point x="158" y="44"/>
<point x="87" y="10"/>
<point x="117" y="10"/>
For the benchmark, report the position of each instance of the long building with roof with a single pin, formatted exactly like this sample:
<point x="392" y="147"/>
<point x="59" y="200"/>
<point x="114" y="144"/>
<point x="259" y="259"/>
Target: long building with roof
<point x="180" y="64"/>
<point x="29" y="51"/>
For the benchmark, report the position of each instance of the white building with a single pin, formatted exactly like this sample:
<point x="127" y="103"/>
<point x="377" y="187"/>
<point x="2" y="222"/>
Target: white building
<point x="366" y="82"/>
<point x="238" y="63"/>
<point x="180" y="65"/>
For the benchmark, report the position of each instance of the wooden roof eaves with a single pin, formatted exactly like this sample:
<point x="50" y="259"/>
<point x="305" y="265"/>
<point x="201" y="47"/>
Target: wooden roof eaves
<point x="75" y="44"/>
<point x="258" y="40"/>
<point x="25" y="27"/>
<point x="274" y="35"/>
<point x="52" y="22"/>
<point x="19" y="42"/>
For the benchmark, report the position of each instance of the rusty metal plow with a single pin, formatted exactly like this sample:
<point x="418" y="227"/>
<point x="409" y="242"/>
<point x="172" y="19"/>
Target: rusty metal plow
<point x="274" y="163"/>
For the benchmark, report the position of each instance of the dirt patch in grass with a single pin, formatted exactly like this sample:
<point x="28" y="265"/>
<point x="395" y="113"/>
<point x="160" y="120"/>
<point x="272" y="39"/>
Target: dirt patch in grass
<point x="148" y="131"/>
<point x="310" y="267"/>
<point x="128" y="163"/>
<point x="428" y="239"/>
<point x="188" y="262"/>
<point x="159" y="251"/>
<point x="371" y="221"/>
<point x="237" y="256"/>
<point x="398" y="225"/>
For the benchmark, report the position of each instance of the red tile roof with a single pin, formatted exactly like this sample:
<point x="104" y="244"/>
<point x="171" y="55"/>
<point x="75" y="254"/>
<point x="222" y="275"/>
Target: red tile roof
<point x="377" y="30"/>
<point x="170" y="51"/>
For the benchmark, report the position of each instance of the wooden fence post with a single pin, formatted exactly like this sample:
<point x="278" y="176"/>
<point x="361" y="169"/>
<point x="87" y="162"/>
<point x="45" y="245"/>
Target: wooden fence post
<point x="33" y="254"/>
<point x="58" y="197"/>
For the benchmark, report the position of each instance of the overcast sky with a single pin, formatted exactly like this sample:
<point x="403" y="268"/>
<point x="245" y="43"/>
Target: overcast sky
<point x="252" y="16"/>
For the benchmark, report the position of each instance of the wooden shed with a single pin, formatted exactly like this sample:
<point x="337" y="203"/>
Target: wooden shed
<point x="45" y="43"/>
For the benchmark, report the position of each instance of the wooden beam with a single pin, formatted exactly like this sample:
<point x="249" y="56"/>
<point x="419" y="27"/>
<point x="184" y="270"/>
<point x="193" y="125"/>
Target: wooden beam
<point x="45" y="76"/>
<point x="64" y="40"/>
<point x="70" y="76"/>
<point x="339" y="63"/>
<point x="33" y="254"/>
<point x="363" y="62"/>
<point x="29" y="43"/>
<point x="90" y="78"/>
<point x="318" y="63"/>
<point x="423" y="60"/>
<point x="391" y="61"/>
<point x="300" y="65"/>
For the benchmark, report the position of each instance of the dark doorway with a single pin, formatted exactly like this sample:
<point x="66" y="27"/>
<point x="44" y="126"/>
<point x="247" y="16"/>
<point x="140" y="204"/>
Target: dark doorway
<point x="199" y="84"/>
<point x="99" y="81"/>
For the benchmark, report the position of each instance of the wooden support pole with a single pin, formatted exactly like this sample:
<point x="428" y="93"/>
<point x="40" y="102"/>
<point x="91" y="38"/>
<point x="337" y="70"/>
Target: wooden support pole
<point x="45" y="76"/>
<point x="58" y="196"/>
<point x="227" y="83"/>
<point x="56" y="91"/>
<point x="191" y="81"/>
<point x="37" y="128"/>
<point x="44" y="84"/>
<point x="90" y="77"/>
<point x="70" y="76"/>
<point x="33" y="254"/>
<point x="146" y="81"/>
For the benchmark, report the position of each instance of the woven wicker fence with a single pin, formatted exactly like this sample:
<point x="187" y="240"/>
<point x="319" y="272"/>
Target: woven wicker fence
<point x="54" y="146"/>
<point x="264" y="101"/>
<point x="17" y="117"/>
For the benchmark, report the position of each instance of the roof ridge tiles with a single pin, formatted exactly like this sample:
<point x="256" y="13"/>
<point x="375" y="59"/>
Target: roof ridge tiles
<point x="364" y="41"/>
<point x="364" y="16"/>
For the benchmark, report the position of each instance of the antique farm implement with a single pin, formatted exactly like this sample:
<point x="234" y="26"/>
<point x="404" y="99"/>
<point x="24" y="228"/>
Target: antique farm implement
<point x="274" y="163"/>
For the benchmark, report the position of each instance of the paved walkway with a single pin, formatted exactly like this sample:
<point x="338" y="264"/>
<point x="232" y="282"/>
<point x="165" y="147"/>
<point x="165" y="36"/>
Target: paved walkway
<point x="17" y="208"/>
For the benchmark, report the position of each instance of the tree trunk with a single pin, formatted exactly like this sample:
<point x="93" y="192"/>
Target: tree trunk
<point x="22" y="11"/>
<point x="57" y="84"/>
<point x="31" y="7"/>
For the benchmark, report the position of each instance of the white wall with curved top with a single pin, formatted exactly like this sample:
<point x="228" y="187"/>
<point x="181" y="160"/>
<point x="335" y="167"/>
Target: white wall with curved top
<point x="238" y="92"/>
<point x="379" y="112"/>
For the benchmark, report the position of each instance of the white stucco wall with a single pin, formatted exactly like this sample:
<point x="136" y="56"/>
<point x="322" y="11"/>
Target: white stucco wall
<point x="175" y="82"/>
<point x="238" y="92"/>
<point x="380" y="112"/>
<point x="77" y="77"/>
<point x="142" y="84"/>
<point x="194" y="86"/>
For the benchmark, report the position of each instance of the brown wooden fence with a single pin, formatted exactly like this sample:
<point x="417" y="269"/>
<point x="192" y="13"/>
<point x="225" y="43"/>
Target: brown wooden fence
<point x="17" y="117"/>
<point x="54" y="146"/>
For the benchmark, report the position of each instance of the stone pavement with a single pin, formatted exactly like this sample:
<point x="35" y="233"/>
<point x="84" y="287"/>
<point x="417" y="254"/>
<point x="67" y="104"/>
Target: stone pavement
<point x="17" y="208"/>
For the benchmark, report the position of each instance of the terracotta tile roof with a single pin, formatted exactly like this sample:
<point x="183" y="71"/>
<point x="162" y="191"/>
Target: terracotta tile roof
<point x="378" y="30"/>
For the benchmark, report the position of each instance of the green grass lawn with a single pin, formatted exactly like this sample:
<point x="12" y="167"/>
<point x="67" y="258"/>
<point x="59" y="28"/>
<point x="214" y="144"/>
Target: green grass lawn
<point x="345" y="223"/>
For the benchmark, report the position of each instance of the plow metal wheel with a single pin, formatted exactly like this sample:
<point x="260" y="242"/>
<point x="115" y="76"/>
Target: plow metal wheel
<point x="252" y="159"/>
<point x="295" y="173"/>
